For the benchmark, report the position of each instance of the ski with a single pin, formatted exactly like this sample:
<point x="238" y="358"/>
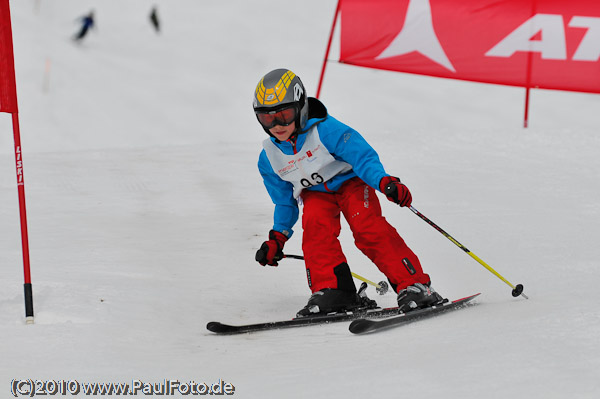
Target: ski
<point x="357" y="315"/>
<point x="222" y="328"/>
<point x="364" y="325"/>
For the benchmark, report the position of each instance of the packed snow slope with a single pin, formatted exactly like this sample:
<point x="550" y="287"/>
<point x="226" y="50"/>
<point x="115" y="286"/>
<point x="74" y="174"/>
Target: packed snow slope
<point x="145" y="210"/>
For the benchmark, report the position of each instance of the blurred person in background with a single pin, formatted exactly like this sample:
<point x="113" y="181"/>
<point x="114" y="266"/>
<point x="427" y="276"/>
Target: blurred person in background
<point x="87" y="23"/>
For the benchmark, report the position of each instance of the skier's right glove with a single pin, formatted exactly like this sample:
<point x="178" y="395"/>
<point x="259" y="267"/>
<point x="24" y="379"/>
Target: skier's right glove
<point x="395" y="191"/>
<point x="271" y="251"/>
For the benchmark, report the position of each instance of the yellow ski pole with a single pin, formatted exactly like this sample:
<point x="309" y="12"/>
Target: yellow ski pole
<point x="517" y="290"/>
<point x="381" y="288"/>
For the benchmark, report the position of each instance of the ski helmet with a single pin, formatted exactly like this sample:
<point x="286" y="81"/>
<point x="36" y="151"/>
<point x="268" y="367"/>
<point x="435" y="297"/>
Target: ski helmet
<point x="280" y="89"/>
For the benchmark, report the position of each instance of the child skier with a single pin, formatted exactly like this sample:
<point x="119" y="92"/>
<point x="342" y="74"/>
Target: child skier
<point x="312" y="157"/>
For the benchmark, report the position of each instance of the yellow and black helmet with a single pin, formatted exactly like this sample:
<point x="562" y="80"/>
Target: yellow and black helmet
<point x="280" y="89"/>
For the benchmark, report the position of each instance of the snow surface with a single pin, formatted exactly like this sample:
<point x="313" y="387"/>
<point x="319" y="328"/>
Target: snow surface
<point x="145" y="210"/>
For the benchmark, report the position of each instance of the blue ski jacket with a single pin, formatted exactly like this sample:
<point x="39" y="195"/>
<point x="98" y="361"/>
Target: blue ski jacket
<point x="343" y="142"/>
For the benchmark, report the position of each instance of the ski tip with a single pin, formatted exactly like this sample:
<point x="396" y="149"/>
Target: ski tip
<point x="360" y="326"/>
<point x="467" y="298"/>
<point x="216" y="327"/>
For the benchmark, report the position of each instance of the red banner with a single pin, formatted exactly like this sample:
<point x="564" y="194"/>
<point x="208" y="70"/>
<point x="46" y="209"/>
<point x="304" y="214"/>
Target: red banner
<point x="8" y="91"/>
<point x="551" y="44"/>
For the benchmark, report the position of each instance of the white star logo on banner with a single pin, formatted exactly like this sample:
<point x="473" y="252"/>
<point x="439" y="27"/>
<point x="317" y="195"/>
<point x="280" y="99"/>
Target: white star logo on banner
<point x="418" y="35"/>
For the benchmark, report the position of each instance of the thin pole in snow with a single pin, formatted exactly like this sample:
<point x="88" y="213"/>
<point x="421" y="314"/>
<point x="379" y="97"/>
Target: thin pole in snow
<point x="337" y="10"/>
<point x="46" y="80"/>
<point x="526" y="117"/>
<point x="529" y="68"/>
<point x="8" y="92"/>
<point x="23" y="214"/>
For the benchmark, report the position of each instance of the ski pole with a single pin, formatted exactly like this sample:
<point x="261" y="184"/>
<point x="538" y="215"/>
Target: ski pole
<point x="517" y="290"/>
<point x="381" y="288"/>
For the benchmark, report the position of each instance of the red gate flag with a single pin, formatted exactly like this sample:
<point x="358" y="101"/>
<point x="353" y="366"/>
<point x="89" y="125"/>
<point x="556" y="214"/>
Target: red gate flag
<point x="8" y="91"/>
<point x="550" y="44"/>
<point x="8" y="103"/>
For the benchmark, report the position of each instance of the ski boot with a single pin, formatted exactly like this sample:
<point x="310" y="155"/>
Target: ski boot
<point x="418" y="296"/>
<point x="331" y="300"/>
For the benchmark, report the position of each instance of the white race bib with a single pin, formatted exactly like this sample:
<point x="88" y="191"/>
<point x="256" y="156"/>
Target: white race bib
<point x="311" y="166"/>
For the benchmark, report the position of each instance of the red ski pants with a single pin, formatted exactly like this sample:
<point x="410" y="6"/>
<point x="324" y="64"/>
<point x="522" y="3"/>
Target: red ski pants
<point x="373" y="235"/>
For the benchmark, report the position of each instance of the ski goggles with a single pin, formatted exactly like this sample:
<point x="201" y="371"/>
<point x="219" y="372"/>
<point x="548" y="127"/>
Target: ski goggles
<point x="281" y="117"/>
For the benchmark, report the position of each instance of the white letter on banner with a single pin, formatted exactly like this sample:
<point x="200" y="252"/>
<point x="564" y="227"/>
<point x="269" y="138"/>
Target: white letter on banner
<point x="418" y="35"/>
<point x="552" y="46"/>
<point x="589" y="48"/>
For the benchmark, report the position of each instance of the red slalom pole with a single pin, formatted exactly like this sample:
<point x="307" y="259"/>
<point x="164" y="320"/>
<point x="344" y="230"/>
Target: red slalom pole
<point x="23" y="213"/>
<point x="526" y="117"/>
<point x="337" y="11"/>
<point x="8" y="104"/>
<point x="529" y="68"/>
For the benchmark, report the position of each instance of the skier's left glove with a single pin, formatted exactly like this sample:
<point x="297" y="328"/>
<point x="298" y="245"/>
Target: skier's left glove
<point x="271" y="251"/>
<point x="395" y="191"/>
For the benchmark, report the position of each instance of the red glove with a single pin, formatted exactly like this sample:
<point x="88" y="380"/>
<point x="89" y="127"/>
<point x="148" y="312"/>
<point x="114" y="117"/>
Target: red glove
<point x="272" y="250"/>
<point x="395" y="191"/>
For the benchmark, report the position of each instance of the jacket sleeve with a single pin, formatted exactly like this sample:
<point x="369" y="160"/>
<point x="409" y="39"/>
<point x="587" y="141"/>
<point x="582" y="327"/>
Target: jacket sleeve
<point x="281" y="192"/>
<point x="347" y="145"/>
